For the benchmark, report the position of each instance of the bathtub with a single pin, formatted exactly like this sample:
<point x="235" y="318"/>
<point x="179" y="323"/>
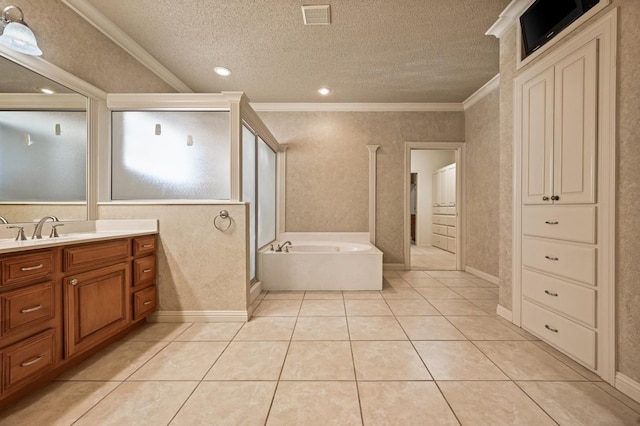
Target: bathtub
<point x="323" y="261"/>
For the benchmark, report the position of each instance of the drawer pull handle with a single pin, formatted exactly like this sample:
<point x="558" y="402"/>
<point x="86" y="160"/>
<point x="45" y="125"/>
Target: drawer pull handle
<point x="147" y="303"/>
<point x="550" y="328"/>
<point x="551" y="222"/>
<point x="32" y="361"/>
<point x="32" y="268"/>
<point x="147" y="245"/>
<point x="73" y="282"/>
<point x="147" y="270"/>
<point x="551" y="294"/>
<point x="35" y="308"/>
<point x="551" y="258"/>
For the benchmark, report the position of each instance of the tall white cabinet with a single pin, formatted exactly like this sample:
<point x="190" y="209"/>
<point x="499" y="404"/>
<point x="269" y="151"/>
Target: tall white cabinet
<point x="561" y="120"/>
<point x="444" y="208"/>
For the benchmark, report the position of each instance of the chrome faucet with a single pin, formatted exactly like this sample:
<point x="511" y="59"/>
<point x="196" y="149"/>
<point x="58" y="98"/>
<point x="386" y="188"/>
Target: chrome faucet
<point x="281" y="246"/>
<point x="37" y="232"/>
<point x="3" y="220"/>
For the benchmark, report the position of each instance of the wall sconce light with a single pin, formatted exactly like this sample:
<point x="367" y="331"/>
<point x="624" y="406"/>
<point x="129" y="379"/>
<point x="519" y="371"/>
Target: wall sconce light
<point x="26" y="139"/>
<point x="17" y="35"/>
<point x="158" y="131"/>
<point x="58" y="129"/>
<point x="189" y="140"/>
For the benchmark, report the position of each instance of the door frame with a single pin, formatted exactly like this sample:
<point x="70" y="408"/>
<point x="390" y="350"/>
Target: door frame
<point x="458" y="148"/>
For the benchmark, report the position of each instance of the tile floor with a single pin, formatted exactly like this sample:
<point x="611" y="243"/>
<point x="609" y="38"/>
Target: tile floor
<point x="427" y="350"/>
<point x="432" y="258"/>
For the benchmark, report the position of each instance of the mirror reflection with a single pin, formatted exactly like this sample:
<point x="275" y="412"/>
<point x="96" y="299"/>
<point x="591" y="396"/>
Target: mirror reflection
<point x="43" y="147"/>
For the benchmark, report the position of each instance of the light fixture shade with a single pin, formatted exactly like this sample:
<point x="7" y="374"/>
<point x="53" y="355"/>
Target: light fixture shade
<point x="19" y="37"/>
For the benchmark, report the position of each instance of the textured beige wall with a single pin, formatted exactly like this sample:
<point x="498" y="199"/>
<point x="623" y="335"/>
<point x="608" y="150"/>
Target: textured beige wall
<point x="30" y="212"/>
<point x="482" y="183"/>
<point x="327" y="167"/>
<point x="199" y="267"/>
<point x="74" y="45"/>
<point x="628" y="177"/>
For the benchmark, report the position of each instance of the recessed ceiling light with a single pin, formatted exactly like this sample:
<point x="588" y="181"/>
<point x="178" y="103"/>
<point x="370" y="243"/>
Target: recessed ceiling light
<point x="225" y="72"/>
<point x="324" y="91"/>
<point x="47" y="91"/>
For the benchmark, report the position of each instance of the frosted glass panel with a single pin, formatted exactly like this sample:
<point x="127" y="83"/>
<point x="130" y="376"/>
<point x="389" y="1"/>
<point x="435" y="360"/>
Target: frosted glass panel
<point x="171" y="155"/>
<point x="43" y="156"/>
<point x="267" y="194"/>
<point x="249" y="190"/>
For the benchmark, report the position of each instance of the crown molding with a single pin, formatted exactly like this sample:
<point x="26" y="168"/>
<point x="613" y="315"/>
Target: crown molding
<point x="477" y="96"/>
<point x="93" y="16"/>
<point x="34" y="101"/>
<point x="357" y="107"/>
<point x="508" y="17"/>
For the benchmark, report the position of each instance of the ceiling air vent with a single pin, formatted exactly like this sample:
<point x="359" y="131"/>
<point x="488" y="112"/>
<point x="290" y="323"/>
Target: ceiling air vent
<point x="316" y="14"/>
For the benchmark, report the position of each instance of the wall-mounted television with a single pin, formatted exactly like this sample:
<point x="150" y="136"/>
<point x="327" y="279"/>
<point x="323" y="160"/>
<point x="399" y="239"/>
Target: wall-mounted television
<point x="544" y="19"/>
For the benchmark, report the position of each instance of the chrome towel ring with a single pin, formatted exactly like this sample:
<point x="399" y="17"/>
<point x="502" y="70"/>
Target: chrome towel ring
<point x="223" y="215"/>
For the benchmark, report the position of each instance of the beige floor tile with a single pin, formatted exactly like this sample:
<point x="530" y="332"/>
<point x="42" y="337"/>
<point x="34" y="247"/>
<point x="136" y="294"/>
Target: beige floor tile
<point x="457" y="361"/>
<point x="513" y="327"/>
<point x="430" y="328"/>
<point x="318" y="360"/>
<point x="158" y="332"/>
<point x="483" y="328"/>
<point x="389" y="274"/>
<point x="424" y="282"/>
<point x="388" y="361"/>
<point x="181" y="361"/>
<point x="448" y="274"/>
<point x="367" y="307"/>
<point x="267" y="328"/>
<point x="117" y="362"/>
<point x="580" y="403"/>
<point x="210" y="332"/>
<point x="139" y="403"/>
<point x="395" y="282"/>
<point x="526" y="361"/>
<point x="284" y="295"/>
<point x="475" y="293"/>
<point x="431" y="258"/>
<point x="322" y="308"/>
<point x="411" y="307"/>
<point x="412" y="274"/>
<point x="249" y="361"/>
<point x="278" y="308"/>
<point x="404" y="403"/>
<point x="321" y="328"/>
<point x="236" y="403"/>
<point x="438" y="293"/>
<point x="456" y="282"/>
<point x="323" y="295"/>
<point x="456" y="307"/>
<point x="400" y="293"/>
<point x="56" y="404"/>
<point x="375" y="328"/>
<point x="487" y="305"/>
<point x="492" y="403"/>
<point x="571" y="363"/>
<point x="315" y="403"/>
<point x="634" y="405"/>
<point x="361" y="295"/>
<point x="479" y="282"/>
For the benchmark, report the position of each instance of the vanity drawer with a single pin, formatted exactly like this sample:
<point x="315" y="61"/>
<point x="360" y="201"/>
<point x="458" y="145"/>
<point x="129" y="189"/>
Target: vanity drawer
<point x="568" y="299"/>
<point x="92" y="255"/>
<point x="450" y="220"/>
<point x="574" y="339"/>
<point x="451" y="244"/>
<point x="439" y="210"/>
<point x="565" y="260"/>
<point x="27" y="358"/>
<point x="26" y="268"/>
<point x="144" y="270"/>
<point x="144" y="302"/>
<point x="451" y="231"/>
<point x="439" y="241"/>
<point x="450" y="210"/>
<point x="439" y="229"/>
<point x="26" y="307"/>
<point x="144" y="245"/>
<point x="439" y="219"/>
<point x="571" y="223"/>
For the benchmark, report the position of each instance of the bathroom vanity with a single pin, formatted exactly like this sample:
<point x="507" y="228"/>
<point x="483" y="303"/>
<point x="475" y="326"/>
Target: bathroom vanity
<point x="63" y="299"/>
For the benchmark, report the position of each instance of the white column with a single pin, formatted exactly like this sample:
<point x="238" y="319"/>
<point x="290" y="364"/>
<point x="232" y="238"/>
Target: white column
<point x="281" y="189"/>
<point x="372" y="191"/>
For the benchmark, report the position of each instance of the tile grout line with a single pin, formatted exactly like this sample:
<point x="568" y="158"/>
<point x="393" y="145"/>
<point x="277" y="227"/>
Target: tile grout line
<point x="353" y="361"/>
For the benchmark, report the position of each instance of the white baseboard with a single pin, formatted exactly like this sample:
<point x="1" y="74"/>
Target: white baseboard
<point x="483" y="275"/>
<point x="628" y="386"/>
<point x="199" y="316"/>
<point x="504" y="313"/>
<point x="393" y="267"/>
<point x="255" y="290"/>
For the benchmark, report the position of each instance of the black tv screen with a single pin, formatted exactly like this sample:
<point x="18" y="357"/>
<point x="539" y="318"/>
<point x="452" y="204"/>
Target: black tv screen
<point x="545" y="18"/>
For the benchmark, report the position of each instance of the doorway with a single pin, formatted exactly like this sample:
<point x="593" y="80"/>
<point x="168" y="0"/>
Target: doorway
<point x="433" y="207"/>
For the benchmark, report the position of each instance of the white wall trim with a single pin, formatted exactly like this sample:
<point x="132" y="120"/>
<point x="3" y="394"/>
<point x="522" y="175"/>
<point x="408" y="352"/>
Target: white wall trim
<point x="281" y="193"/>
<point x="372" y="191"/>
<point x="122" y="39"/>
<point x="478" y="273"/>
<point x="199" y="316"/>
<point x="628" y="386"/>
<point x="508" y="17"/>
<point x="356" y="107"/>
<point x="174" y="101"/>
<point x="393" y="267"/>
<point x="29" y="101"/>
<point x="504" y="313"/>
<point x="479" y="94"/>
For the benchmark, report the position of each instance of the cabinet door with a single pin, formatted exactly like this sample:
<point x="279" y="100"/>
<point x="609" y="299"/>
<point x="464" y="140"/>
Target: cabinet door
<point x="537" y="138"/>
<point x="96" y="305"/>
<point x="442" y="187"/>
<point x="435" y="188"/>
<point x="451" y="185"/>
<point x="575" y="127"/>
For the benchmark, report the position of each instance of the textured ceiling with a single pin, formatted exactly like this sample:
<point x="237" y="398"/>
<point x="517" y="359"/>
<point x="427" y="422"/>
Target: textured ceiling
<point x="16" y="79"/>
<point x="374" y="50"/>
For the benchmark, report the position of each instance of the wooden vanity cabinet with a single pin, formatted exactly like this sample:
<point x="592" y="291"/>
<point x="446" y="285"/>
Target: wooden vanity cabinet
<point x="144" y="292"/>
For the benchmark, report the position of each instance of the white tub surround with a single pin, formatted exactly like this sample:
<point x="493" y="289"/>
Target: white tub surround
<point x="323" y="261"/>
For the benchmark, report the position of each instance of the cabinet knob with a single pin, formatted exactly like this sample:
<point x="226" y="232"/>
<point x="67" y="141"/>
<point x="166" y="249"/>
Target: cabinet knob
<point x="555" y="197"/>
<point x="73" y="282"/>
<point x="545" y="198"/>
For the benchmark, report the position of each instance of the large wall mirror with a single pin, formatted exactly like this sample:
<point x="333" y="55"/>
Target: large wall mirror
<point x="43" y="147"/>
